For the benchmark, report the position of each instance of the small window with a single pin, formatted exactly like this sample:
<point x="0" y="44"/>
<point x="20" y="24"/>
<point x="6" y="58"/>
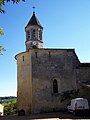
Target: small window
<point x="36" y="54"/>
<point x="23" y="58"/>
<point x="49" y="54"/>
<point x="34" y="33"/>
<point x="28" y="34"/>
<point x="40" y="35"/>
<point x="55" y="86"/>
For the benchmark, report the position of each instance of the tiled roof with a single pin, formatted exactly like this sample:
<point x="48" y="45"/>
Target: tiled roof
<point x="34" y="21"/>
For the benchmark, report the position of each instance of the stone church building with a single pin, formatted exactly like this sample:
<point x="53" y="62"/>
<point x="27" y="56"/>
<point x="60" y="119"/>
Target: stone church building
<point x="48" y="78"/>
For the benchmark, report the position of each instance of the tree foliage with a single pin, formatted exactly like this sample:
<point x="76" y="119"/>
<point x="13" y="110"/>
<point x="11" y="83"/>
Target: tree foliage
<point x="1" y="47"/>
<point x="1" y="31"/>
<point x="10" y="107"/>
<point x="3" y="2"/>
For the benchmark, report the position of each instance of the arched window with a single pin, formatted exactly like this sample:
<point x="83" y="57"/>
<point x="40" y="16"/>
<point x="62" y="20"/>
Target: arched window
<point x="34" y="33"/>
<point x="40" y="35"/>
<point x="28" y="34"/>
<point x="55" y="86"/>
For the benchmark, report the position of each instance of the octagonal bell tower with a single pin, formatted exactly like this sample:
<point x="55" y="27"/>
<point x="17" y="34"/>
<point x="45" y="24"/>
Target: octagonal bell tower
<point x="34" y="32"/>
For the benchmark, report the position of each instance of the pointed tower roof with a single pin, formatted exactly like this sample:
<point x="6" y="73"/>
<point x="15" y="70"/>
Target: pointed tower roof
<point x="34" y="21"/>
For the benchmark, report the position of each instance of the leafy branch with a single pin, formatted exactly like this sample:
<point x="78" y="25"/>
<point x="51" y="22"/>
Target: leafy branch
<point x="1" y="47"/>
<point x="1" y="31"/>
<point x="2" y="2"/>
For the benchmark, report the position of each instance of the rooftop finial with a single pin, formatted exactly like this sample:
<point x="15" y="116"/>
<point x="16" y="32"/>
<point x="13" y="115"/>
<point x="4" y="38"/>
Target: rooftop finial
<point x="33" y="9"/>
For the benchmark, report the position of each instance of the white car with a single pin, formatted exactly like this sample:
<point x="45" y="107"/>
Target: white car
<point x="78" y="105"/>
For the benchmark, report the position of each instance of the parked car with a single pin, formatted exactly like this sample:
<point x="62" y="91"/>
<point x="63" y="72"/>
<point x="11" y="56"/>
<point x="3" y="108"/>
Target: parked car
<point x="78" y="105"/>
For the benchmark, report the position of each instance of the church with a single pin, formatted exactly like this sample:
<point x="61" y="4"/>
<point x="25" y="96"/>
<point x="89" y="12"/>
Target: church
<point x="48" y="78"/>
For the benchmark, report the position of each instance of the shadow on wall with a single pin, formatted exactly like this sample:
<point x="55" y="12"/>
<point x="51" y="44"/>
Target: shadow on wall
<point x="21" y="112"/>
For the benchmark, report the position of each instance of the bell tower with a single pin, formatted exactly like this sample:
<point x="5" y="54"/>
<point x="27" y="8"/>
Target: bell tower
<point x="34" y="32"/>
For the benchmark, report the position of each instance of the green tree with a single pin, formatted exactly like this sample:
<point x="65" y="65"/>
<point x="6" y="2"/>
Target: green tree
<point x="1" y="47"/>
<point x="2" y="2"/>
<point x="10" y="107"/>
<point x="1" y="31"/>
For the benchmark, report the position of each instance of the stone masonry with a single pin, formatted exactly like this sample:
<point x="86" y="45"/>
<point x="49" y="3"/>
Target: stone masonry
<point x="47" y="79"/>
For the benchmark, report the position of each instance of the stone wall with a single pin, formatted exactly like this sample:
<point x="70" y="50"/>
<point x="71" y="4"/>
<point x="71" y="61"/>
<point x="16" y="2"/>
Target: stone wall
<point x="24" y="82"/>
<point x="36" y="71"/>
<point x="47" y="65"/>
<point x="83" y="77"/>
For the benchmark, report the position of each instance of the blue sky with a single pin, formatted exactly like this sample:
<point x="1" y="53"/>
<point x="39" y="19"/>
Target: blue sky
<point x="66" y="25"/>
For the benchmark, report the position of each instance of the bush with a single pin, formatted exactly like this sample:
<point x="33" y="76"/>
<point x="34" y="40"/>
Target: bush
<point x="10" y="108"/>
